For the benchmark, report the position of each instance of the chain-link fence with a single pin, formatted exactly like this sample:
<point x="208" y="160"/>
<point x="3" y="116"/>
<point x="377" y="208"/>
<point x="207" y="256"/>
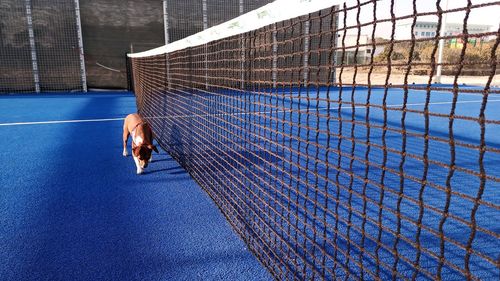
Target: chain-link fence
<point x="55" y="45"/>
<point x="40" y="46"/>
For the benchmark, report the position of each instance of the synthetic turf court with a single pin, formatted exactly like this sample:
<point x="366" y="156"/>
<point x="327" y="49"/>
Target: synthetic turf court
<point x="70" y="191"/>
<point x="72" y="208"/>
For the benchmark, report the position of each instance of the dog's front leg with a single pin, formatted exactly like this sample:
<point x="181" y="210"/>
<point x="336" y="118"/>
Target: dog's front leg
<point x="139" y="169"/>
<point x="125" y="138"/>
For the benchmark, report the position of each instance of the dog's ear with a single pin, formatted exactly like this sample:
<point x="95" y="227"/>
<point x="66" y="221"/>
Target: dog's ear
<point x="136" y="150"/>
<point x="152" y="147"/>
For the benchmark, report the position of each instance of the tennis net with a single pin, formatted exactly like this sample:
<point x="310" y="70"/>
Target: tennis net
<point x="352" y="140"/>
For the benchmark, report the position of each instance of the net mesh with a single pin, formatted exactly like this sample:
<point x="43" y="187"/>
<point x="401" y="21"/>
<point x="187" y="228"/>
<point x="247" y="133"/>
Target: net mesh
<point x="331" y="151"/>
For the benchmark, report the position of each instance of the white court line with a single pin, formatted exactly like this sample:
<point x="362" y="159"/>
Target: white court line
<point x="448" y="92"/>
<point x="443" y="102"/>
<point x="224" y="114"/>
<point x="61" y="122"/>
<point x="108" y="68"/>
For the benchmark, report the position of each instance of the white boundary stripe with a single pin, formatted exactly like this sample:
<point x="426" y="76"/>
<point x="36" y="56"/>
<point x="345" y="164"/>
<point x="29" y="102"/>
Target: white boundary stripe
<point x="61" y="122"/>
<point x="448" y="92"/>
<point x="224" y="114"/>
<point x="108" y="68"/>
<point x="444" y="102"/>
<point x="274" y="12"/>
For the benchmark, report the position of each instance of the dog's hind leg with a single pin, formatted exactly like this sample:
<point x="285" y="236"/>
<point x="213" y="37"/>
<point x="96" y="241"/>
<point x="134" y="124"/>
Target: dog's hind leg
<point x="125" y="139"/>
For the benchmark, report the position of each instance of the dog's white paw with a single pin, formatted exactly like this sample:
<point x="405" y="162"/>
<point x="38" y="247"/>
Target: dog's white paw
<point x="140" y="171"/>
<point x="125" y="153"/>
<point x="151" y="159"/>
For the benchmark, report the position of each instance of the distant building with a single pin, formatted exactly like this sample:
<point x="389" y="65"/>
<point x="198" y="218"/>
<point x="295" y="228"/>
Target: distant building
<point x="364" y="49"/>
<point x="426" y="29"/>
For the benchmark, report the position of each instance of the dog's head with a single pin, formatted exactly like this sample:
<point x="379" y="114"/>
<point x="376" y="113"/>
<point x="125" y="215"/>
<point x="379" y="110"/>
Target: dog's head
<point x="143" y="153"/>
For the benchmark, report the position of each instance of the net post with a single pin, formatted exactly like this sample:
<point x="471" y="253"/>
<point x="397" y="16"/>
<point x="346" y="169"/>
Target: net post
<point x="83" y="74"/>
<point x="128" y="68"/>
<point x="31" y="34"/>
<point x="442" y="32"/>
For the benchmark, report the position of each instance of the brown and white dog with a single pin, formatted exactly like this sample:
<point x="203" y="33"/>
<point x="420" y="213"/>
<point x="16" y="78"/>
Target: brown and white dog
<point x="142" y="141"/>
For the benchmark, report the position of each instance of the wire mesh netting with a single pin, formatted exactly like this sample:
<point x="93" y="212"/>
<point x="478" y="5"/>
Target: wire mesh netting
<point x="188" y="17"/>
<point x="39" y="38"/>
<point x="338" y="157"/>
<point x="184" y="18"/>
<point x="56" y="43"/>
<point x="112" y="28"/>
<point x="39" y="47"/>
<point x="15" y="57"/>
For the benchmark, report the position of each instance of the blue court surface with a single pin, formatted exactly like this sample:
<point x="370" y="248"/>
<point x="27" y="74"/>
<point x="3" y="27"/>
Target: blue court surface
<point x="72" y="208"/>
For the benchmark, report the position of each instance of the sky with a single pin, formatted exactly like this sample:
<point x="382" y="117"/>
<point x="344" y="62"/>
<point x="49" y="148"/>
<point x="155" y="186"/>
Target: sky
<point x="488" y="15"/>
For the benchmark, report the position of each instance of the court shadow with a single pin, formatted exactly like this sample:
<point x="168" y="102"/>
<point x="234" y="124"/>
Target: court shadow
<point x="181" y="172"/>
<point x="146" y="172"/>
<point x="156" y="160"/>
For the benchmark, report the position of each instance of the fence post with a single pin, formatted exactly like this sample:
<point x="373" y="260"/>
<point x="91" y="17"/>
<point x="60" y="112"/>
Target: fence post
<point x="165" y="21"/>
<point x="34" y="60"/>
<point x="441" y="46"/>
<point x="305" y="62"/>
<point x="83" y="73"/>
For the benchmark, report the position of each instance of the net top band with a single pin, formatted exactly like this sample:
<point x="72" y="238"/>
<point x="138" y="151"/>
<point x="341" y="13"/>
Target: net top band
<point x="274" y="12"/>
